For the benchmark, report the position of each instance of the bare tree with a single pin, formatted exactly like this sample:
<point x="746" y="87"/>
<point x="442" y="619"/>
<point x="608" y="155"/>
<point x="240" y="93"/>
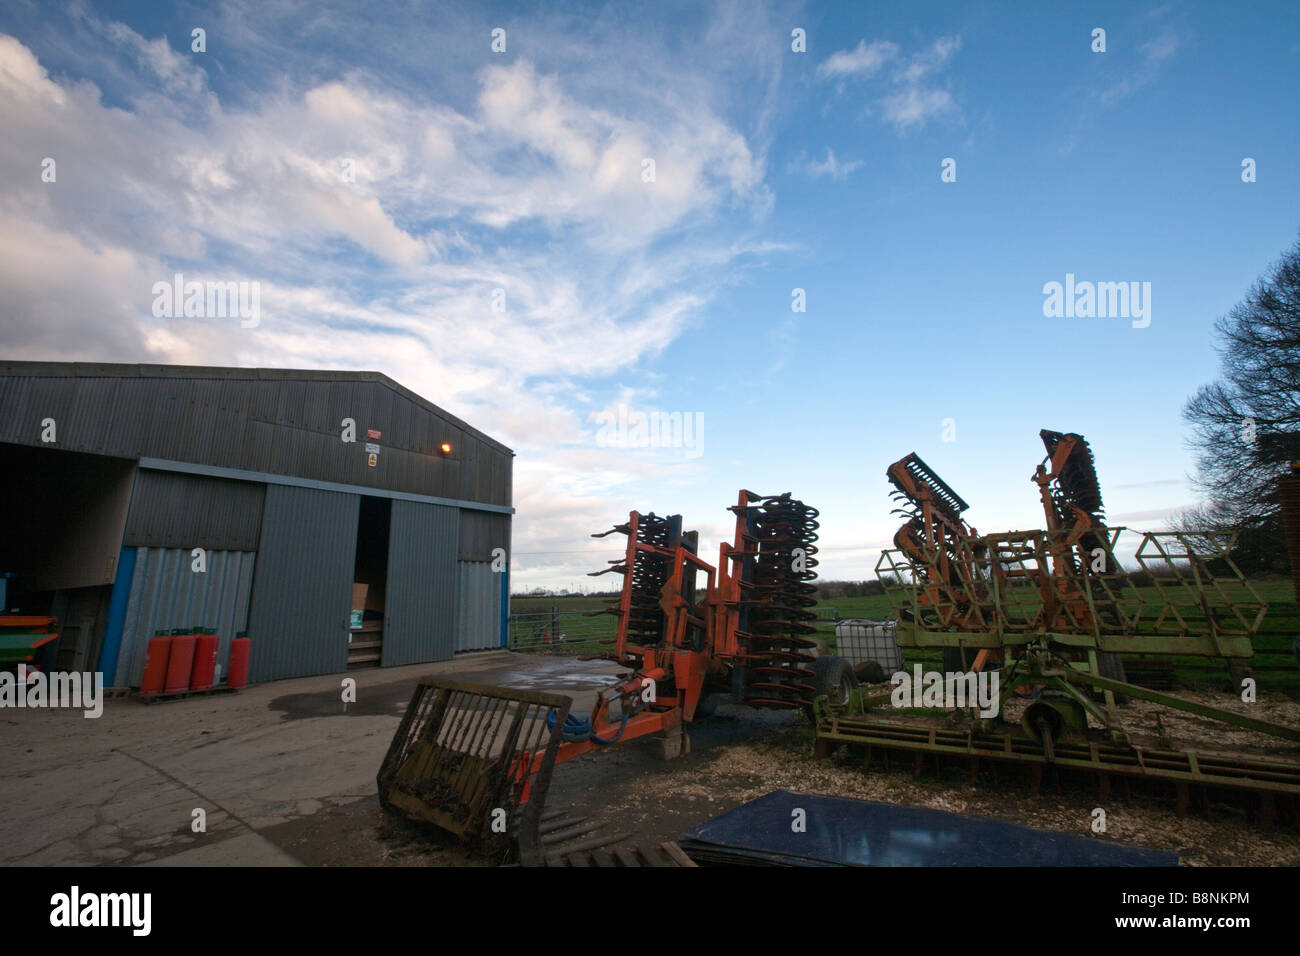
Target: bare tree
<point x="1246" y="424"/>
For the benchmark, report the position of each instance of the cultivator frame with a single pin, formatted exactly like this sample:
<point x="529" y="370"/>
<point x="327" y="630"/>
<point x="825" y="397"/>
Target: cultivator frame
<point x="1020" y="600"/>
<point x="467" y="757"/>
<point x="1055" y="609"/>
<point x="746" y="630"/>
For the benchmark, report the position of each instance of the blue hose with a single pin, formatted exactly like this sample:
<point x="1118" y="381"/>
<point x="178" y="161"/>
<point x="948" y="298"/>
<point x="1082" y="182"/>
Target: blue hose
<point x="577" y="728"/>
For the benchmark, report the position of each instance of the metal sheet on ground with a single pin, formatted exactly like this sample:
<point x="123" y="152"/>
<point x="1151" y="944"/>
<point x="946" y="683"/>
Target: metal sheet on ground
<point x="839" y="831"/>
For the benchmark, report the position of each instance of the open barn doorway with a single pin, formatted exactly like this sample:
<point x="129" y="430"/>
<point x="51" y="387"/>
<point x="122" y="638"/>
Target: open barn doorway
<point x="369" y="582"/>
<point x="65" y="513"/>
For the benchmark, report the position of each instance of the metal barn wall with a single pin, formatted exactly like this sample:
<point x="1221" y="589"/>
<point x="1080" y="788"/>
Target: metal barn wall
<point x="172" y="510"/>
<point x="298" y="621"/>
<point x="166" y="593"/>
<point x="275" y="421"/>
<point x="478" y="606"/>
<point x="420" y="599"/>
<point x="481" y="532"/>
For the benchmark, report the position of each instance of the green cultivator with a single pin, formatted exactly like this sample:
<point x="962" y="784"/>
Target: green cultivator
<point x="1044" y="617"/>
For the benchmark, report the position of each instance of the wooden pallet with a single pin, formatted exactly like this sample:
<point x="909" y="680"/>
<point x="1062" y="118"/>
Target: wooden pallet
<point x="163" y="698"/>
<point x="577" y="841"/>
<point x="663" y="854"/>
<point x="366" y="645"/>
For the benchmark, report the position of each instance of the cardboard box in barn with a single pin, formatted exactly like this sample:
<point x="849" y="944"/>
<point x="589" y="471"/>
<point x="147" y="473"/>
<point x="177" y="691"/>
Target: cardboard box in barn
<point x="358" y="604"/>
<point x="368" y="596"/>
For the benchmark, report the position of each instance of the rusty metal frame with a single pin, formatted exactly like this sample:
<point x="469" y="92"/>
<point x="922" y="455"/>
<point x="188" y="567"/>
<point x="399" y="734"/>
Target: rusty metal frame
<point x="465" y="751"/>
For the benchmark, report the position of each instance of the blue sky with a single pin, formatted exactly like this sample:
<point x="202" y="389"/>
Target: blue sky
<point x="775" y="170"/>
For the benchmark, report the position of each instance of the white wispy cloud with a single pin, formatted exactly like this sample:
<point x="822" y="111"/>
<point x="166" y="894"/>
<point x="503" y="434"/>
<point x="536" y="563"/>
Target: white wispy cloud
<point x="525" y="178"/>
<point x="862" y="62"/>
<point x="913" y="106"/>
<point x="1153" y="54"/>
<point x="829" y="167"/>
<point x="918" y="94"/>
<point x="1122" y="76"/>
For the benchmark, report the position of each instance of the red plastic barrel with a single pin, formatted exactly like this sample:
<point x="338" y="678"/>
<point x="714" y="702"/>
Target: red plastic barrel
<point x="180" y="663"/>
<point x="155" y="663"/>
<point x="240" y="649"/>
<point x="205" y="659"/>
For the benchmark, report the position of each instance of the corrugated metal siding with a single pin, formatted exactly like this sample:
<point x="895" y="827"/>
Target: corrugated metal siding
<point x="480" y="532"/>
<point x="478" y="606"/>
<point x="420" y="599"/>
<point x="165" y="592"/>
<point x="171" y="510"/>
<point x="299" y="617"/>
<point x="256" y="420"/>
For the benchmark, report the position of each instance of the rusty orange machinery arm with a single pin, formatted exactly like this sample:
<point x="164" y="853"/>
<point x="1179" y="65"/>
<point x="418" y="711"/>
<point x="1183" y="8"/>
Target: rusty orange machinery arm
<point x="1044" y="478"/>
<point x="942" y="525"/>
<point x="627" y="568"/>
<point x="1059" y="456"/>
<point x="685" y="667"/>
<point x="653" y="715"/>
<point x="735" y="562"/>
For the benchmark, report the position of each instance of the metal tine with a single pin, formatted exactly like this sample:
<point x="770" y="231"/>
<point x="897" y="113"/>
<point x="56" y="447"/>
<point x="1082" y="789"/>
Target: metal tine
<point x="467" y="747"/>
<point x="439" y="749"/>
<point x="464" y="717"/>
<point x="538" y="729"/>
<point x="460" y="715"/>
<point x="485" y="724"/>
<point x="450" y="717"/>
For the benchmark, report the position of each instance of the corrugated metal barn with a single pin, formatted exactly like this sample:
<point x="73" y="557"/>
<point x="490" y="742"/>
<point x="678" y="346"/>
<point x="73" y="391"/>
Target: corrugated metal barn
<point x="344" y="521"/>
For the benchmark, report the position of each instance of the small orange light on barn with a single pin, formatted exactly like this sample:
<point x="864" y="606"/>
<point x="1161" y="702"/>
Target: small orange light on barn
<point x="446" y="448"/>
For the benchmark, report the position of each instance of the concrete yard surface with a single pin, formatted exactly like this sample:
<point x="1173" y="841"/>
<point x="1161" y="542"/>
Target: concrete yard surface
<point x="285" y="775"/>
<point x="284" y="772"/>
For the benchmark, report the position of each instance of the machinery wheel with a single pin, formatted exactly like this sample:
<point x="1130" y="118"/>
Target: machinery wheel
<point x="869" y="672"/>
<point x="834" y="677"/>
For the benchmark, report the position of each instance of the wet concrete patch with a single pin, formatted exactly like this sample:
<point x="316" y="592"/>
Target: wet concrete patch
<point x="557" y="674"/>
<point x="563" y="675"/>
<point x="382" y="700"/>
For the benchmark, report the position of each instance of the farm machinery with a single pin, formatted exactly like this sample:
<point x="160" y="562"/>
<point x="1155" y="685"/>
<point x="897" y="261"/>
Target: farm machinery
<point x="1050" y="611"/>
<point x="477" y="760"/>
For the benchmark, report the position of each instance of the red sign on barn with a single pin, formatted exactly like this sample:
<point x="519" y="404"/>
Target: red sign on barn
<point x="374" y="433"/>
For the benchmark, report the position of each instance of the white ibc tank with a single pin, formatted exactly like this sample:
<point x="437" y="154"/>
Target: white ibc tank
<point x="858" y="641"/>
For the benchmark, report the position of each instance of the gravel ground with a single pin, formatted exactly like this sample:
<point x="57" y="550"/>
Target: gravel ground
<point x="740" y="755"/>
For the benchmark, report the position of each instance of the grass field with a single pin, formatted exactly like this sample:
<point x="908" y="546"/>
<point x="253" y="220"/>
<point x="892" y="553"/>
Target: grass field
<point x="1274" y="663"/>
<point x="538" y="605"/>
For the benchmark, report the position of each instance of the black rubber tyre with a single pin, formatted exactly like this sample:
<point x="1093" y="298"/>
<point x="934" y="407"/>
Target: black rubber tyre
<point x="869" y="672"/>
<point x="834" y="677"/>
